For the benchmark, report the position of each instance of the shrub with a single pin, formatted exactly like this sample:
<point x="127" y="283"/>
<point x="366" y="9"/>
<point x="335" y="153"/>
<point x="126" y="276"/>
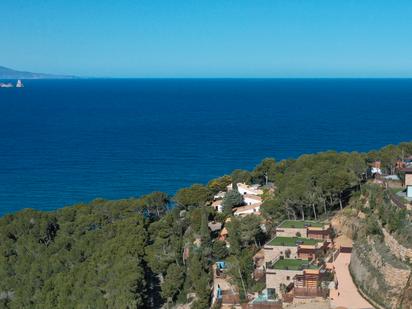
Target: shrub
<point x="372" y="227"/>
<point x="219" y="249"/>
<point x="232" y="198"/>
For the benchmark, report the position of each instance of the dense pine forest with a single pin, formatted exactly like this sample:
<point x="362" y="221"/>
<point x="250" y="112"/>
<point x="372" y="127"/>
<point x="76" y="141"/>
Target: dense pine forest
<point x="157" y="249"/>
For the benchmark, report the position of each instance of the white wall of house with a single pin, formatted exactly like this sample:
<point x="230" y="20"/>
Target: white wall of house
<point x="376" y="170"/>
<point x="246" y="189"/>
<point x="249" y="200"/>
<point x="409" y="191"/>
<point x="245" y="212"/>
<point x="408" y="179"/>
<point x="218" y="205"/>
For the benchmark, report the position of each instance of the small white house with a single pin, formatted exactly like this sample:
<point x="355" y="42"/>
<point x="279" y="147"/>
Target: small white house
<point x="248" y="210"/>
<point x="246" y="189"/>
<point x="250" y="199"/>
<point x="218" y="205"/>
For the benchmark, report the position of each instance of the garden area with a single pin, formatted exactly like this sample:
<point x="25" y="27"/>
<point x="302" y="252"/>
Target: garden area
<point x="293" y="264"/>
<point x="292" y="241"/>
<point x="300" y="224"/>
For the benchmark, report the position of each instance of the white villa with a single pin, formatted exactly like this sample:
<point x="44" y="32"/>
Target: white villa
<point x="218" y="205"/>
<point x="250" y="199"/>
<point x="251" y="190"/>
<point x="248" y="210"/>
<point x="246" y="189"/>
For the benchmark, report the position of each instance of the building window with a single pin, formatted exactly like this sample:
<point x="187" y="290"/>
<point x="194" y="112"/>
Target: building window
<point x="272" y="293"/>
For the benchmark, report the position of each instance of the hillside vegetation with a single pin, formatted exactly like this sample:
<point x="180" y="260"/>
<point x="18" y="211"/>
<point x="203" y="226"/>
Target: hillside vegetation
<point x="144" y="252"/>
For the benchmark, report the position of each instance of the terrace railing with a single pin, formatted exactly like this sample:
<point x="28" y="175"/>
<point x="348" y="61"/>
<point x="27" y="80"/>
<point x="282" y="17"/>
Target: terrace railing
<point x="269" y="265"/>
<point x="266" y="305"/>
<point x="310" y="292"/>
<point x="344" y="249"/>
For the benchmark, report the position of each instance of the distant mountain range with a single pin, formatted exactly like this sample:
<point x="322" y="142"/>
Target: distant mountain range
<point x="6" y="73"/>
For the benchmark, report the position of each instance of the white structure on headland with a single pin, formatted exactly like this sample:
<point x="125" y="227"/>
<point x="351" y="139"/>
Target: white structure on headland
<point x="246" y="189"/>
<point x="248" y="210"/>
<point x="218" y="205"/>
<point x="250" y="199"/>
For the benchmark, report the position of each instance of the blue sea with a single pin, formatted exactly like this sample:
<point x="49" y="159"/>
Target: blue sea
<point x="70" y="141"/>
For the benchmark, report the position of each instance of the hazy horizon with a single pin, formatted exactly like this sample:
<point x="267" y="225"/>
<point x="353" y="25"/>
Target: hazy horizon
<point x="194" y="39"/>
<point x="201" y="77"/>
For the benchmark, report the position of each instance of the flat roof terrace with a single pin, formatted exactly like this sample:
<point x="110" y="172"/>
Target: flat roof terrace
<point x="300" y="224"/>
<point x="293" y="264"/>
<point x="292" y="241"/>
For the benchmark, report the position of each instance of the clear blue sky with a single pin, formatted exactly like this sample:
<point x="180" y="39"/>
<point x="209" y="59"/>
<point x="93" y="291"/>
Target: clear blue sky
<point x="208" y="38"/>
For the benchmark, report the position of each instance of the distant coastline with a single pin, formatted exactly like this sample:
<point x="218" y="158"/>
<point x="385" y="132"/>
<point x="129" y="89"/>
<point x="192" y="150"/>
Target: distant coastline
<point x="10" y="74"/>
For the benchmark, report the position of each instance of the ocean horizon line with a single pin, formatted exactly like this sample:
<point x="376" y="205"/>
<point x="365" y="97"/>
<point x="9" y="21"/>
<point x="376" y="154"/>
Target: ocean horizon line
<point x="220" y="78"/>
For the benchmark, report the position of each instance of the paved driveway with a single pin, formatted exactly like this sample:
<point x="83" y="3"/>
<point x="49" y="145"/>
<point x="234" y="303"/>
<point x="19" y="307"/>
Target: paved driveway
<point x="222" y="282"/>
<point x="349" y="296"/>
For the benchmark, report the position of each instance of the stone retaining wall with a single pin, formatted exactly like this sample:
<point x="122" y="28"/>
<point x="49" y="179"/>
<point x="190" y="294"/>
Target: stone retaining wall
<point x="397" y="249"/>
<point x="377" y="278"/>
